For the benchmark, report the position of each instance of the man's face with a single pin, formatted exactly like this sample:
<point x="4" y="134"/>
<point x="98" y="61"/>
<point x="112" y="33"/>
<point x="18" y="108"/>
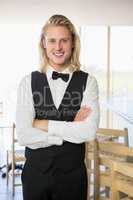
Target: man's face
<point x="58" y="44"/>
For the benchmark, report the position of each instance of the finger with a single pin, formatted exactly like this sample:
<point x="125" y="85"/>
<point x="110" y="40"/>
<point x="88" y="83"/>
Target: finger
<point x="85" y="109"/>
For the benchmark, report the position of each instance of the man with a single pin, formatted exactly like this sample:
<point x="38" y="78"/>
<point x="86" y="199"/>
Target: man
<point x="57" y="112"/>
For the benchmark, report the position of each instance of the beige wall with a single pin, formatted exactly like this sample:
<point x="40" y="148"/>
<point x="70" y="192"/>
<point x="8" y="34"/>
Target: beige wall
<point x="91" y="12"/>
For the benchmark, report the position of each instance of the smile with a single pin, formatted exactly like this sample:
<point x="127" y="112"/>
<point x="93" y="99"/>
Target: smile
<point x="58" y="54"/>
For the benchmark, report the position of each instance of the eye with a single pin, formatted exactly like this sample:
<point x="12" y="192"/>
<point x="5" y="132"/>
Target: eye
<point x="52" y="40"/>
<point x="65" y="40"/>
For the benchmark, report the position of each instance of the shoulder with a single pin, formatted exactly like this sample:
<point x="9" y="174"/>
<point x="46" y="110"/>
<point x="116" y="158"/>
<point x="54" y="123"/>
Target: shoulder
<point x="90" y="77"/>
<point x="92" y="84"/>
<point x="36" y="75"/>
<point x="25" y="80"/>
<point x="37" y="72"/>
<point x="82" y="73"/>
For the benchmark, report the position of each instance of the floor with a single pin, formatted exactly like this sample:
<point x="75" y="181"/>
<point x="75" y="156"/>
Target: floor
<point x="6" y="191"/>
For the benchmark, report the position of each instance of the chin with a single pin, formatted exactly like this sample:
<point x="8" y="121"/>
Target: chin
<point x="60" y="62"/>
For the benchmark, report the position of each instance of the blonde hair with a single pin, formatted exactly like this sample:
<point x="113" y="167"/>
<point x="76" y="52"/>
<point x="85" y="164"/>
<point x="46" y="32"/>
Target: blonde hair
<point x="60" y="20"/>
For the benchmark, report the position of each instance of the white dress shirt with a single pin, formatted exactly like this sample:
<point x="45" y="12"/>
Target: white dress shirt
<point x="58" y="131"/>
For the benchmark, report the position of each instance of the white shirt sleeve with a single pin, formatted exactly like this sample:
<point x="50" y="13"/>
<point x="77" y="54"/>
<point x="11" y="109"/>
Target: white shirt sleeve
<point x="78" y="132"/>
<point x="25" y="114"/>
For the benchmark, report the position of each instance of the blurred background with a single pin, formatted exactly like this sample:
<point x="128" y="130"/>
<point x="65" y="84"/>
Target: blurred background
<point x="106" y="32"/>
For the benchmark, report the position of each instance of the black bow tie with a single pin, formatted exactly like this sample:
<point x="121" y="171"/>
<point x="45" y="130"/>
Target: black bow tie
<point x="56" y="75"/>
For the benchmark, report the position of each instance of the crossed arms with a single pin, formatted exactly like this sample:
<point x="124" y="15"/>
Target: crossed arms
<point x="43" y="133"/>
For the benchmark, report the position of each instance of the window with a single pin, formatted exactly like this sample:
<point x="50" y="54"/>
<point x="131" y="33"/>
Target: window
<point x="94" y="60"/>
<point x="106" y="53"/>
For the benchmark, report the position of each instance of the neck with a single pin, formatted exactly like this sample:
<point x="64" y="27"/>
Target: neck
<point x="59" y="68"/>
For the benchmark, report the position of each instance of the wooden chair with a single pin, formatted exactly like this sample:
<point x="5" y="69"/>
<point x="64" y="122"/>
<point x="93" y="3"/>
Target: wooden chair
<point x="113" y="156"/>
<point x="16" y="156"/>
<point x="92" y="164"/>
<point x="115" y="135"/>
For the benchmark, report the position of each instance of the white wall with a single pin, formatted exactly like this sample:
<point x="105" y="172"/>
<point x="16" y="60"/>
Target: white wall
<point x="91" y="12"/>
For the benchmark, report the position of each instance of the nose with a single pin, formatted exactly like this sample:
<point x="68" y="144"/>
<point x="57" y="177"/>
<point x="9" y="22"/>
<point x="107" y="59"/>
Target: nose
<point x="58" y="45"/>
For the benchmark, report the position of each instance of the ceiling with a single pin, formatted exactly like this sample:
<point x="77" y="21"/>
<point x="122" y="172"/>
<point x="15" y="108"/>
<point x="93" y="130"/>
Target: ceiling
<point x="91" y="12"/>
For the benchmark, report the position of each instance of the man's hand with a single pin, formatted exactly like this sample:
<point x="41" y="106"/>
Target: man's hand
<point x="83" y="113"/>
<point x="40" y="124"/>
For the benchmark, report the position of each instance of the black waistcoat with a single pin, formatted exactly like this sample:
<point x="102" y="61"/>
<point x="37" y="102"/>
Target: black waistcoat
<point x="69" y="155"/>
